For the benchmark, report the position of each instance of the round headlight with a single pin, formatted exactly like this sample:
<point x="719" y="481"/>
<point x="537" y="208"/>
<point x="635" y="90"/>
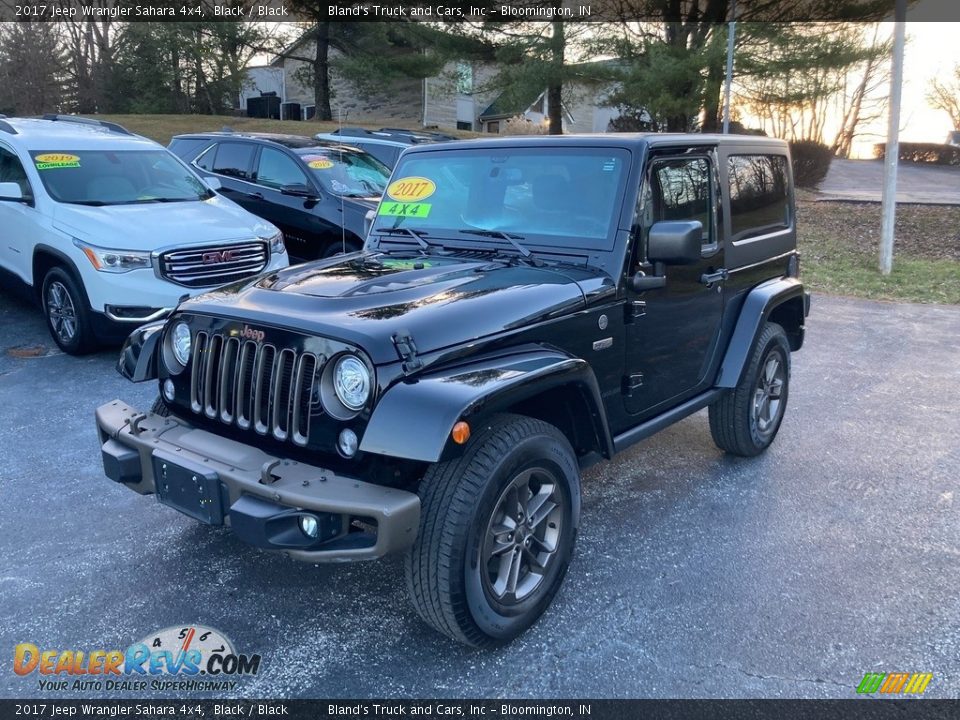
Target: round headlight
<point x="181" y="343"/>
<point x="351" y="382"/>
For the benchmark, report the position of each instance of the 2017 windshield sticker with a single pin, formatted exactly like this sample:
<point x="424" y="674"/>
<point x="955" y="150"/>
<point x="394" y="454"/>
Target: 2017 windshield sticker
<point x="49" y="161"/>
<point x="405" y="209"/>
<point x="411" y="189"/>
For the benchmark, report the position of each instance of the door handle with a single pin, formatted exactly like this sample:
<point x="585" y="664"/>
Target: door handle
<point x="716" y="276"/>
<point x="255" y="195"/>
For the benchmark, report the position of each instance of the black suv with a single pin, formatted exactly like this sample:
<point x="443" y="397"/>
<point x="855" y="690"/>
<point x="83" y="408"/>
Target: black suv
<point x="317" y="193"/>
<point x="523" y="308"/>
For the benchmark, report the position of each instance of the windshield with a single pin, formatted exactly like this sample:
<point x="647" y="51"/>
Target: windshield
<point x="554" y="195"/>
<point x="346" y="171"/>
<point x="117" y="177"/>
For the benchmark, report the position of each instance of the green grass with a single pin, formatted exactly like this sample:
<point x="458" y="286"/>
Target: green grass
<point x="840" y="242"/>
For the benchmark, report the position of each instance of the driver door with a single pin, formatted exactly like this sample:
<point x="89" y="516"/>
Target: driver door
<point x="672" y="332"/>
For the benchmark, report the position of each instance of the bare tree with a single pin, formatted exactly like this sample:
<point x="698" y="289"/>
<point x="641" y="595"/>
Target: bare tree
<point x="946" y="96"/>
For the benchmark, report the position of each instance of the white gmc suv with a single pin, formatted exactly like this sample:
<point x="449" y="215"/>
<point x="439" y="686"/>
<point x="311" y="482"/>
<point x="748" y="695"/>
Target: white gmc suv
<point x="111" y="230"/>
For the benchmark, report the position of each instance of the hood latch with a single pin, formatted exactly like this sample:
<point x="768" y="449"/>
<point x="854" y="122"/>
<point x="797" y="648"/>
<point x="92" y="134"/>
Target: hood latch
<point x="407" y="349"/>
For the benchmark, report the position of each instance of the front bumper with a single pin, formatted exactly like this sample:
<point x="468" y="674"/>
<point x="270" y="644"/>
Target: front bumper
<point x="261" y="497"/>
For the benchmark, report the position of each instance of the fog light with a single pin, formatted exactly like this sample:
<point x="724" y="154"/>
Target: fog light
<point x="168" y="390"/>
<point x="348" y="443"/>
<point x="309" y="526"/>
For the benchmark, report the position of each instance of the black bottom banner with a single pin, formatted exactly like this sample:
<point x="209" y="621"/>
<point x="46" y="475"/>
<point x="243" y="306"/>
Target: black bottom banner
<point x="483" y="709"/>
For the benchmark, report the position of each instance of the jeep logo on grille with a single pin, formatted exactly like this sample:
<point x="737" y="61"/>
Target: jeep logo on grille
<point x="217" y="256"/>
<point x="250" y="333"/>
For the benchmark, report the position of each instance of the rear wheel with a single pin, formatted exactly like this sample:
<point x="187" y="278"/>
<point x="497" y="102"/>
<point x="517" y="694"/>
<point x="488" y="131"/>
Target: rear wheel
<point x="497" y="529"/>
<point x="745" y="420"/>
<point x="68" y="315"/>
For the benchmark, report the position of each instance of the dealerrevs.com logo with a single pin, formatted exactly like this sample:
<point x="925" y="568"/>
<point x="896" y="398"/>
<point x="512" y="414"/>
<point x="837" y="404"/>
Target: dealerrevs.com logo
<point x="178" y="658"/>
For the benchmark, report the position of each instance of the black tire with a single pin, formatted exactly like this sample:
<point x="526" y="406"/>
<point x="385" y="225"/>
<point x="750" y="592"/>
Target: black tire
<point x="67" y="312"/>
<point x="341" y="247"/>
<point x="451" y="589"/>
<point x="160" y="408"/>
<point x="745" y="420"/>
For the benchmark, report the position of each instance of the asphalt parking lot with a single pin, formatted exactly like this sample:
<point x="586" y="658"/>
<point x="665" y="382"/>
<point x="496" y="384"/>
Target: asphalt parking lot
<point x="697" y="575"/>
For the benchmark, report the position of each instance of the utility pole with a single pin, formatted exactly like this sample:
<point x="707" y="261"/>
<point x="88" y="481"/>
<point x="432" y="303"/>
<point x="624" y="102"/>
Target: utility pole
<point x="892" y="156"/>
<point x="731" y="32"/>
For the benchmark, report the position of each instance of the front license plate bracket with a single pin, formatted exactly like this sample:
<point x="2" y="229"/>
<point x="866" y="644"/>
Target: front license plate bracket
<point x="188" y="487"/>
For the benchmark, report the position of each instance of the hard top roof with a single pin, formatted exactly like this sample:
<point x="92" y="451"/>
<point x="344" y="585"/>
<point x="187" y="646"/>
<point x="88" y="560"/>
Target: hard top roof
<point x="630" y="141"/>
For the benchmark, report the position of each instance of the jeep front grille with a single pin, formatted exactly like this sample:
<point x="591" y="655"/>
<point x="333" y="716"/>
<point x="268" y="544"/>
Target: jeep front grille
<point x="253" y="385"/>
<point x="208" y="266"/>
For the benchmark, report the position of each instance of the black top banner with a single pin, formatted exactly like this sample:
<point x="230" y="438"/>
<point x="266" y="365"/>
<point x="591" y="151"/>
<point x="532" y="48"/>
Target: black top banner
<point x="473" y="10"/>
<point x="873" y="709"/>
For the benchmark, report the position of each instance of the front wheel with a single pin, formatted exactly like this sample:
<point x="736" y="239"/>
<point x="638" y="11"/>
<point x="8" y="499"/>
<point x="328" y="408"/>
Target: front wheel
<point x="745" y="420"/>
<point x="497" y="529"/>
<point x="67" y="313"/>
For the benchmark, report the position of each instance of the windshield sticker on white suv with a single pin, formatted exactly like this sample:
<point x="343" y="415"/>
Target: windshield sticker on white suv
<point x="49" y="161"/>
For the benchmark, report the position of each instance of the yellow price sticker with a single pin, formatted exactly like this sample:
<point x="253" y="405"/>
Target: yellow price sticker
<point x="56" y="160"/>
<point x="411" y="189"/>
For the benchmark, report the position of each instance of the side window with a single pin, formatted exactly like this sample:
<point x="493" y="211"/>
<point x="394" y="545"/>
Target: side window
<point x="759" y="195"/>
<point x="681" y="189"/>
<point x="205" y="160"/>
<point x="234" y="159"/>
<point x="276" y="169"/>
<point x="11" y="170"/>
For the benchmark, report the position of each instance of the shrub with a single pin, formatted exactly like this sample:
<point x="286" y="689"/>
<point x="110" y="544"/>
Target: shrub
<point x="519" y="125"/>
<point x="811" y="161"/>
<point x="922" y="153"/>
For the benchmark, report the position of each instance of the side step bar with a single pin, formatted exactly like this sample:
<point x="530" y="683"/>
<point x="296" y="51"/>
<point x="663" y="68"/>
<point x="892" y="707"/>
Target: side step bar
<point x="644" y="430"/>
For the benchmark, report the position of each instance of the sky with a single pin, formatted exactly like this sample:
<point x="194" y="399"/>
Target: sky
<point x="933" y="50"/>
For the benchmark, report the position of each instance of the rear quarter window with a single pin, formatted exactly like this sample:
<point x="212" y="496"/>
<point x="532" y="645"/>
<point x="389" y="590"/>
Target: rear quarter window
<point x="187" y="149"/>
<point x="759" y="195"/>
<point x="234" y="159"/>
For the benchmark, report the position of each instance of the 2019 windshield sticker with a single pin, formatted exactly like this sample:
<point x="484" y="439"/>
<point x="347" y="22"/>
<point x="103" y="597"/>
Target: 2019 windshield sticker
<point x="320" y="164"/>
<point x="49" y="161"/>
<point x="411" y="189"/>
<point x="405" y="209"/>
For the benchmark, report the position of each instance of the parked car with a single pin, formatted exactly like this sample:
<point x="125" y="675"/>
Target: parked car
<point x="110" y="230"/>
<point x="385" y="144"/>
<point x="317" y="193"/>
<point x="523" y="308"/>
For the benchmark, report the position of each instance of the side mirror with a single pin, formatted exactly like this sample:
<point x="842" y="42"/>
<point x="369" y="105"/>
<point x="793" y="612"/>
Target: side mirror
<point x="675" y="242"/>
<point x="213" y="183"/>
<point x="368" y="221"/>
<point x="299" y="190"/>
<point x="11" y="191"/>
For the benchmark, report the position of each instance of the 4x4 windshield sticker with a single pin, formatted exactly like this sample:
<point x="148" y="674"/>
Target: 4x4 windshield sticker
<point x="411" y="190"/>
<point x="400" y="209"/>
<point x="48" y="161"/>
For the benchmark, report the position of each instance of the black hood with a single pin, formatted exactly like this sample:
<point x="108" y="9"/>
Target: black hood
<point x="441" y="301"/>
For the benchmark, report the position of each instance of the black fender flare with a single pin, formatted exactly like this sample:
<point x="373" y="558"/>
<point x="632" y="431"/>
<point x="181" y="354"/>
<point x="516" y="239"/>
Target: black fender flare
<point x="755" y="311"/>
<point x="138" y="357"/>
<point x="414" y="418"/>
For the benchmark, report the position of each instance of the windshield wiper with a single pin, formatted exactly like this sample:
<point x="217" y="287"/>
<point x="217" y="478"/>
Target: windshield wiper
<point x="512" y="239"/>
<point x="424" y="245"/>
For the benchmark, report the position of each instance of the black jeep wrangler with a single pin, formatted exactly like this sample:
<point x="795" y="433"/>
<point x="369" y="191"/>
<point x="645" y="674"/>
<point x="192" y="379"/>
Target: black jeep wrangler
<point x="521" y="309"/>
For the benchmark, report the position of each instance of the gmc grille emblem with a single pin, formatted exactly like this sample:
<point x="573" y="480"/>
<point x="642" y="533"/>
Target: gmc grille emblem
<point x="217" y="256"/>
